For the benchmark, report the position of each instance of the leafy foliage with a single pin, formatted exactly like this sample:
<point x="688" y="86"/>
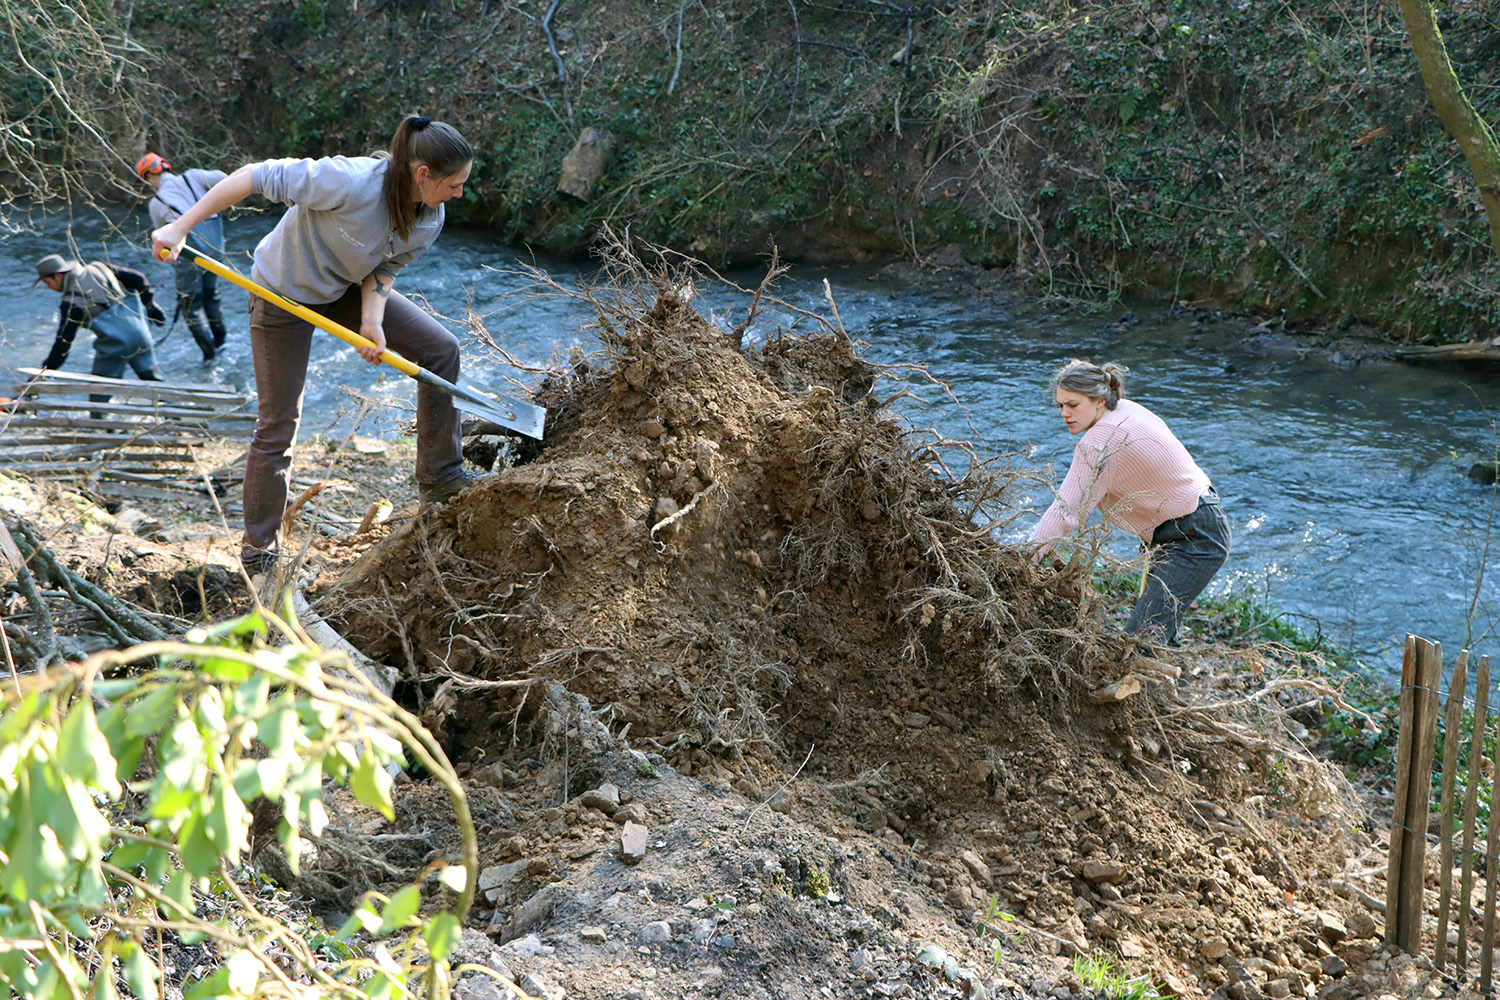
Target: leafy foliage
<point x="126" y="789"/>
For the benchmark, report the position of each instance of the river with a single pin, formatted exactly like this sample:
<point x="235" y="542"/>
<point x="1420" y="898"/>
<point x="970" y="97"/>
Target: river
<point x="1345" y="481"/>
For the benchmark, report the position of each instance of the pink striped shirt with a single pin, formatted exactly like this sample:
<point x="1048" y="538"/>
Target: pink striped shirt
<point x="1132" y="468"/>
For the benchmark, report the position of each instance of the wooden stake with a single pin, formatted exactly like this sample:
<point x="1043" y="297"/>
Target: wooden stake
<point x="1471" y="808"/>
<point x="1457" y="689"/>
<point x="1419" y="795"/>
<point x="1398" y="803"/>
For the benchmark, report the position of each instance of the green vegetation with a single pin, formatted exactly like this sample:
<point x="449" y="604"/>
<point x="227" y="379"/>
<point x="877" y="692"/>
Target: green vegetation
<point x="1101" y="974"/>
<point x="127" y="785"/>
<point x="1282" y="159"/>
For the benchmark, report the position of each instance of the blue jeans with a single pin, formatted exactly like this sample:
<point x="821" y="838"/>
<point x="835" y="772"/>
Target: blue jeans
<point x="1184" y="553"/>
<point x="122" y="337"/>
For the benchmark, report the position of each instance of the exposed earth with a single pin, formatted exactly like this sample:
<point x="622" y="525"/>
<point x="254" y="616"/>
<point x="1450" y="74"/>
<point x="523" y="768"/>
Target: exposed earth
<point x="749" y="702"/>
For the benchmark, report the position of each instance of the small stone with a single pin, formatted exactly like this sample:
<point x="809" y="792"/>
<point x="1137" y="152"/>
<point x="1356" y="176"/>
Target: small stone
<point x="697" y="903"/>
<point x="1362" y="924"/>
<point x="1333" y="966"/>
<point x="1277" y="989"/>
<point x="981" y="771"/>
<point x="633" y="813"/>
<point x="656" y="932"/>
<point x="496" y="879"/>
<point x="725" y="941"/>
<point x="537" y="985"/>
<point x="593" y="933"/>
<point x="605" y="798"/>
<point x="1331" y="926"/>
<point x="1129" y="947"/>
<point x="975" y="864"/>
<point x="1103" y="871"/>
<point x="1214" y="949"/>
<point x="652" y="428"/>
<point x="915" y="720"/>
<point x="530" y="945"/>
<point x="633" y="843"/>
<point x="703" y="930"/>
<point x="780" y="802"/>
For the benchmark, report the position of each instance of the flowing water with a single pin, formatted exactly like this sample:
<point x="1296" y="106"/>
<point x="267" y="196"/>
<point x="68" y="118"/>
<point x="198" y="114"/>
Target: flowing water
<point x="1345" y="482"/>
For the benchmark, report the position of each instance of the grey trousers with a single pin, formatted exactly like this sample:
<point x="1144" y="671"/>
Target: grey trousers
<point x="280" y="344"/>
<point x="1185" y="553"/>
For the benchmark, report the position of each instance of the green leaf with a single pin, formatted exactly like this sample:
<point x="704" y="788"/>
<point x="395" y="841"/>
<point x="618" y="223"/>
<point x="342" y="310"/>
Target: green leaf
<point x="196" y="846"/>
<point x="141" y="974"/>
<point x="179" y="890"/>
<point x="228" y="824"/>
<point x="127" y="749"/>
<point x="278" y="728"/>
<point x="130" y="855"/>
<point x="223" y="668"/>
<point x="250" y="626"/>
<point x="372" y="785"/>
<point x="363" y="919"/>
<point x="402" y="907"/>
<point x="146" y="716"/>
<point x="250" y="698"/>
<point x="216" y="985"/>
<point x="104" y="980"/>
<point x="441" y="934"/>
<point x="83" y="751"/>
<point x="209" y="714"/>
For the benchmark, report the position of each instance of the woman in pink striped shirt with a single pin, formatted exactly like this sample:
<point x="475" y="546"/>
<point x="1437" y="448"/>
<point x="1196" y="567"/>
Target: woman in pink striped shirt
<point x="1130" y="466"/>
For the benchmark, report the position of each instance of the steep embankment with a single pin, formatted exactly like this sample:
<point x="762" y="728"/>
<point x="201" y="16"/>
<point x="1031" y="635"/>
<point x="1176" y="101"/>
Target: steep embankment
<point x="1280" y="159"/>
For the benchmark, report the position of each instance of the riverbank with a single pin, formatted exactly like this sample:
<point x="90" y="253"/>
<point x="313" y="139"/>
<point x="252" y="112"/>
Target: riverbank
<point x="731" y="603"/>
<point x="1281" y="162"/>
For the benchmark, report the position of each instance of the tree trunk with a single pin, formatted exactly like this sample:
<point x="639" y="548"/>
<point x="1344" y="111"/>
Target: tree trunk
<point x="1453" y="107"/>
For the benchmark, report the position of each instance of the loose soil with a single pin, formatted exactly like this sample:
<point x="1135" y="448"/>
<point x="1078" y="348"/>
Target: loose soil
<point x="736" y="600"/>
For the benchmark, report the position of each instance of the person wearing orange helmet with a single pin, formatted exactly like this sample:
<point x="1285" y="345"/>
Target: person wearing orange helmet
<point x="197" y="289"/>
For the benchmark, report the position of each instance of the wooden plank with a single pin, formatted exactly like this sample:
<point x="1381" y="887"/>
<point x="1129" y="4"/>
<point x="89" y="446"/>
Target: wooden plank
<point x="1419" y="794"/>
<point x="1457" y="691"/>
<point x="47" y="404"/>
<point x="1471" y="808"/>
<point x="53" y="379"/>
<point x="193" y="418"/>
<point x="1403" y="781"/>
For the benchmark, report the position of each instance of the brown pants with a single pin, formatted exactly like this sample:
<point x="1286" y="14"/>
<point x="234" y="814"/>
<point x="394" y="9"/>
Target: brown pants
<point x="280" y="344"/>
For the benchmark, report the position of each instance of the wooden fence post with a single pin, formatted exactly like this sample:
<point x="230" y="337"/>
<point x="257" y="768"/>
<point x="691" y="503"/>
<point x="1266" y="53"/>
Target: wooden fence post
<point x="1457" y="691"/>
<point x="1421" y="676"/>
<point x="1471" y="807"/>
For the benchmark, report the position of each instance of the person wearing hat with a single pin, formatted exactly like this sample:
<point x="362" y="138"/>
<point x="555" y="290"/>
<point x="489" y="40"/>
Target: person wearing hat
<point x="115" y="303"/>
<point x="197" y="289"/>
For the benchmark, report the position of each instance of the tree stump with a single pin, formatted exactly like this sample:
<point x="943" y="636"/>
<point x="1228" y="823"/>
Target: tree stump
<point x="586" y="163"/>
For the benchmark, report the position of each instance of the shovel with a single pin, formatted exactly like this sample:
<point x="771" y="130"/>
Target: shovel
<point x="479" y="400"/>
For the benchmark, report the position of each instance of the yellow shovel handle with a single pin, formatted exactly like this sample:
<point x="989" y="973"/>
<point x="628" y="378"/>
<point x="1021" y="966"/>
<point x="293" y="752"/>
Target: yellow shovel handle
<point x="318" y="320"/>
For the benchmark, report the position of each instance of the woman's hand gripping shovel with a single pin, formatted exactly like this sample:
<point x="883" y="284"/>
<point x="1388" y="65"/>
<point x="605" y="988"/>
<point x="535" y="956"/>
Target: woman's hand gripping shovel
<point x="479" y="400"/>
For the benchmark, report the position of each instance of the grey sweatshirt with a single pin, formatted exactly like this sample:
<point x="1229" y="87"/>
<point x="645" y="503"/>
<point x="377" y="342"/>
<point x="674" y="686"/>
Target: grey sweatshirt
<point x="337" y="232"/>
<point x="179" y="192"/>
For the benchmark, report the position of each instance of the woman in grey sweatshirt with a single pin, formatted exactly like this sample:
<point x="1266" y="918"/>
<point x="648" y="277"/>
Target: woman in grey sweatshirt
<point x="354" y="223"/>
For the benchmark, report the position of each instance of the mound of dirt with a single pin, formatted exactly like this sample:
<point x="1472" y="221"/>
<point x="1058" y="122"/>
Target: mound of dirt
<point x="735" y="563"/>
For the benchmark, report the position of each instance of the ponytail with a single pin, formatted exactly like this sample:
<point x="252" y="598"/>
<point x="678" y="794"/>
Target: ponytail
<point x="1105" y="382"/>
<point x="419" y="140"/>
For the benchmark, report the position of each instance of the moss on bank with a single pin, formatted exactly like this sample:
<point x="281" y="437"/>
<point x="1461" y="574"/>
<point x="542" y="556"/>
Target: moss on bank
<point x="1280" y="159"/>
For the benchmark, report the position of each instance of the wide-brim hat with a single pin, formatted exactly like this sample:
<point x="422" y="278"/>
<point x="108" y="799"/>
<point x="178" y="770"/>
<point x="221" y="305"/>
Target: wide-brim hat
<point x="53" y="263"/>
